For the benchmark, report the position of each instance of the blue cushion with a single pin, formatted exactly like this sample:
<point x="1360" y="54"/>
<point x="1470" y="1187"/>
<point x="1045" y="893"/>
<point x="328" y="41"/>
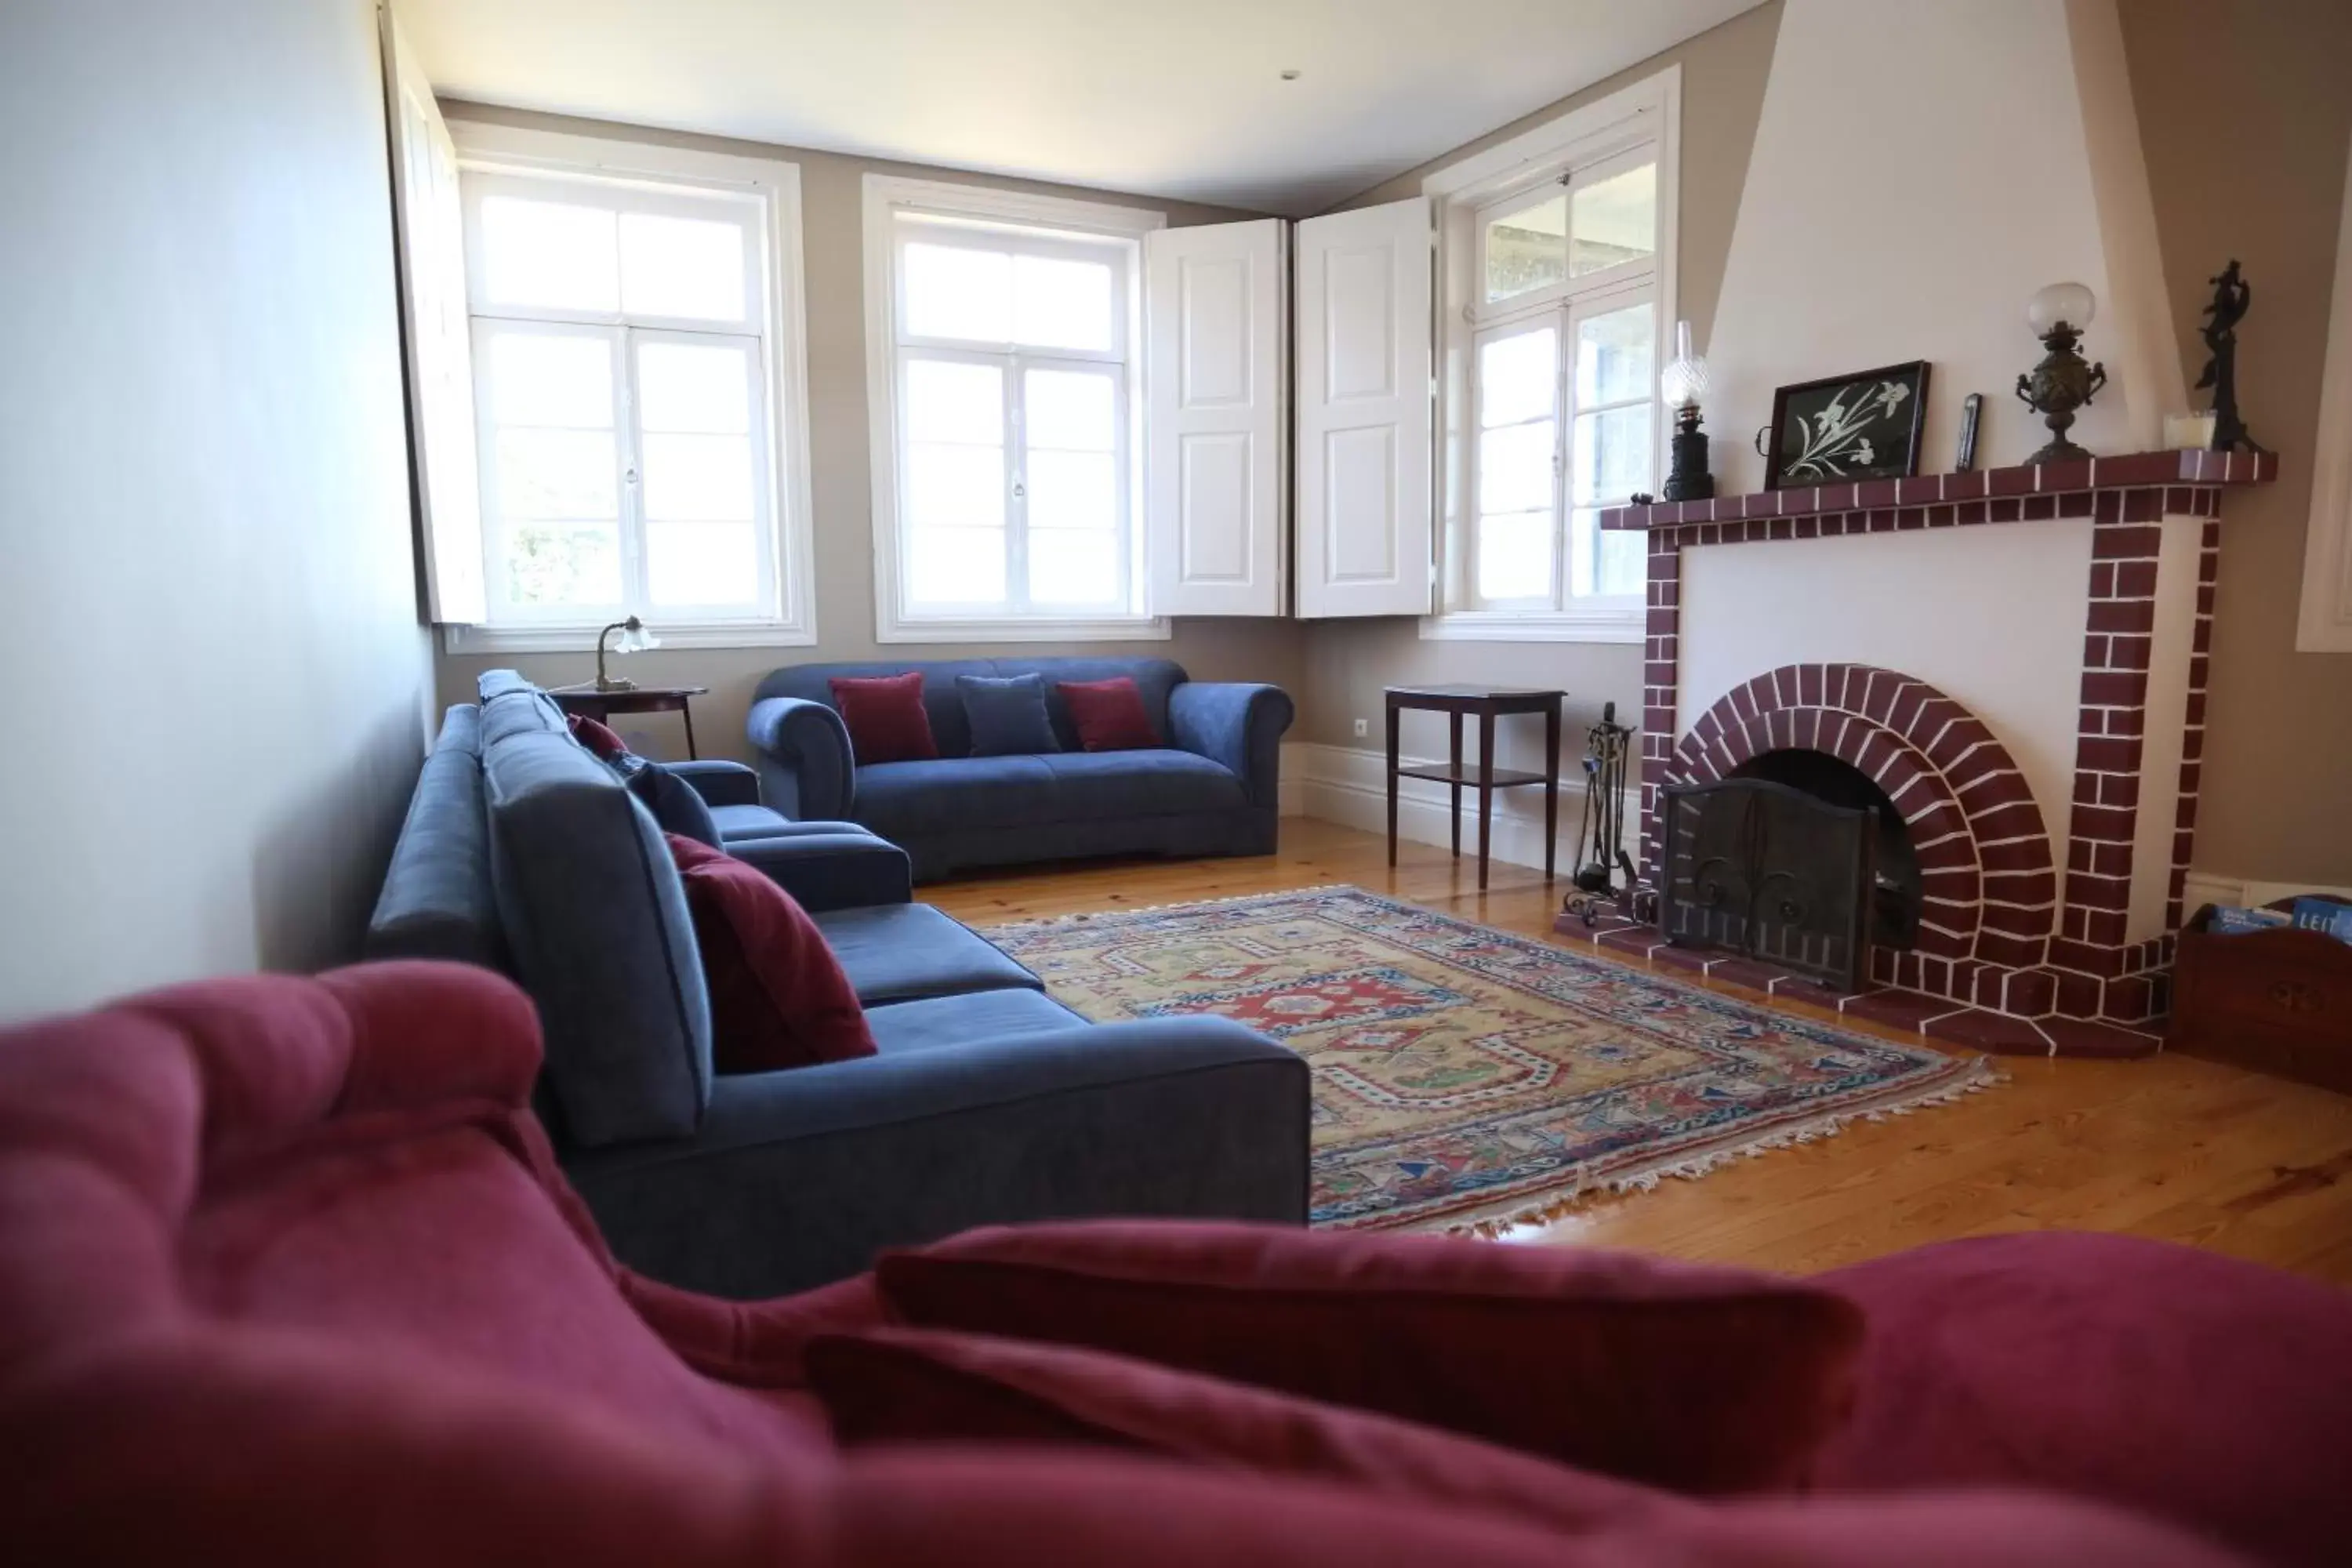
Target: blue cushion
<point x="1154" y="783"/>
<point x="983" y="1017"/>
<point x="677" y="806"/>
<point x="893" y="953"/>
<point x="902" y="800"/>
<point x="1007" y="714"/>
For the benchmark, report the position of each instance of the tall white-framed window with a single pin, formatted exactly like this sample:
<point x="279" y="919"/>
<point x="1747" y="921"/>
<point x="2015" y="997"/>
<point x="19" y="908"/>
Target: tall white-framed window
<point x="1004" y="354"/>
<point x="1556" y="268"/>
<point x="639" y="391"/>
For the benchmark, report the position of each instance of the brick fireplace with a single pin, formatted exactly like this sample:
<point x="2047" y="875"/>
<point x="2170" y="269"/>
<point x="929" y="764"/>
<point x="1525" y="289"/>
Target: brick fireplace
<point x="2016" y="660"/>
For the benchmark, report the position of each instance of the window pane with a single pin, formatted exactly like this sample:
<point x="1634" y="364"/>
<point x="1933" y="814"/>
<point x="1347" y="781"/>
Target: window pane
<point x="1613" y="355"/>
<point x="701" y="563"/>
<point x="952" y="292"/>
<point x="1583" y="547"/>
<point x="1515" y="466"/>
<point x="1612" y="455"/>
<point x="538" y="379"/>
<point x="1071" y="410"/>
<point x="1616" y="220"/>
<point x="701" y="391"/>
<point x="554" y="564"/>
<point x="950" y="402"/>
<point x="1061" y="304"/>
<point x="705" y="478"/>
<point x="955" y="566"/>
<point x="955" y="486"/>
<point x="1073" y="490"/>
<point x="1518" y="376"/>
<point x="1527" y="248"/>
<point x="552" y="254"/>
<point x="1072" y="568"/>
<point x="556" y="473"/>
<point x="1515" y="556"/>
<point x="682" y="267"/>
<point x="1624" y="561"/>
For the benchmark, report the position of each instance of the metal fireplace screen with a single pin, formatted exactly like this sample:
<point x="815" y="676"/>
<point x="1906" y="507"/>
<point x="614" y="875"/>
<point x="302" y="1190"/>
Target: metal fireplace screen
<point x="1770" y="871"/>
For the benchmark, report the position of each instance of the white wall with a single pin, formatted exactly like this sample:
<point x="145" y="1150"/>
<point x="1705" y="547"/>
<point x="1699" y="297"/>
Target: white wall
<point x="217" y="680"/>
<point x="1990" y="615"/>
<point x="1920" y="168"/>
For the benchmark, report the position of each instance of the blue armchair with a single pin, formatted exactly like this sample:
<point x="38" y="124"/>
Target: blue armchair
<point x="1211" y="789"/>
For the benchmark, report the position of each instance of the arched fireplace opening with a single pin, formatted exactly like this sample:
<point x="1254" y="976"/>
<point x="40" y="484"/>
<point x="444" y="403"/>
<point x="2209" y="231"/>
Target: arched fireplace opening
<point x="1894" y="863"/>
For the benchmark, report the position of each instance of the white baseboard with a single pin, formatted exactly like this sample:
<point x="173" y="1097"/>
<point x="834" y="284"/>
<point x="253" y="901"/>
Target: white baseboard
<point x="1348" y="785"/>
<point x="2203" y="888"/>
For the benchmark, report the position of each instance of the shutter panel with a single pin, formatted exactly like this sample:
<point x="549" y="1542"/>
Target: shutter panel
<point x="437" y="338"/>
<point x="1216" y="418"/>
<point x="1364" y="429"/>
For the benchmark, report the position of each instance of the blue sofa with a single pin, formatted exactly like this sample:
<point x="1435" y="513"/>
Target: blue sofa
<point x="989" y="1102"/>
<point x="1209" y="791"/>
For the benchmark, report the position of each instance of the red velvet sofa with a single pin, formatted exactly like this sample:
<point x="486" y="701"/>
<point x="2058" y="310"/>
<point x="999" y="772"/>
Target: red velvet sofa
<point x="287" y="1275"/>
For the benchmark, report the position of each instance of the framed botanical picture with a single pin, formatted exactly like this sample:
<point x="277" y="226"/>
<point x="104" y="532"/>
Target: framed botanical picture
<point x="1863" y="426"/>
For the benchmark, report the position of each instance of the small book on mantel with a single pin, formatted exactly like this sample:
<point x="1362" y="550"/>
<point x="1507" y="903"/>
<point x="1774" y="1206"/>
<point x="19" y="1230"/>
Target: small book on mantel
<point x="2324" y="915"/>
<point x="2231" y="920"/>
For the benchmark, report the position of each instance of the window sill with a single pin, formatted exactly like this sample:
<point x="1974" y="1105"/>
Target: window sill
<point x="1133" y="628"/>
<point x="1614" y="627"/>
<point x="583" y="639"/>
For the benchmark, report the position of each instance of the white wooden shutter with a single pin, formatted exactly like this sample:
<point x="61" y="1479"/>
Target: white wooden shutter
<point x="1364" y="430"/>
<point x="430" y="229"/>
<point x="1216" y="420"/>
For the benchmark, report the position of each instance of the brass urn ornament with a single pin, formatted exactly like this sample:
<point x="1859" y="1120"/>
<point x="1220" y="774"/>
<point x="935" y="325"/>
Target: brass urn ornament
<point x="2062" y="383"/>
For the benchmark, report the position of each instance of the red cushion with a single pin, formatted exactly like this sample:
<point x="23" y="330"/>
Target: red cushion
<point x="1108" y="714"/>
<point x="1674" y="1374"/>
<point x="885" y="1385"/>
<point x="597" y="736"/>
<point x="779" y="998"/>
<point x="2174" y="1380"/>
<point x="885" y="717"/>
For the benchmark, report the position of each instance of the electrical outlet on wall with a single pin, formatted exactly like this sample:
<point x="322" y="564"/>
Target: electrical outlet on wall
<point x="1363" y="727"/>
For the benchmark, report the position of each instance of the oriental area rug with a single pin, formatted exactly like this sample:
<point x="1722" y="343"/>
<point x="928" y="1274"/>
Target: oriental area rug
<point x="1467" y="1079"/>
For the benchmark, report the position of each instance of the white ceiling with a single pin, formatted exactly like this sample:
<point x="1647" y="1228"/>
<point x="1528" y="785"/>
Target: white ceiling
<point x="1179" y="99"/>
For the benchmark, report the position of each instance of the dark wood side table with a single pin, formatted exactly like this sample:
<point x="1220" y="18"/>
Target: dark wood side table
<point x="1489" y="703"/>
<point x="601" y="705"/>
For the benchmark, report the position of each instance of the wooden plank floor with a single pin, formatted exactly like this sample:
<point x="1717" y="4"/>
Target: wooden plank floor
<point x="2171" y="1147"/>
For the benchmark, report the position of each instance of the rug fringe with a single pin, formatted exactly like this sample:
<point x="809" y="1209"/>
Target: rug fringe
<point x="1978" y="1074"/>
<point x="1044" y="921"/>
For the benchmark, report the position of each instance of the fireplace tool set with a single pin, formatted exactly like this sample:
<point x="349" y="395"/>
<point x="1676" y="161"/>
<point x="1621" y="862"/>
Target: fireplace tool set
<point x="1600" y="836"/>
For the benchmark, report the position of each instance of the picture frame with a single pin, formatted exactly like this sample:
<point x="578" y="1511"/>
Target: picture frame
<point x="1864" y="426"/>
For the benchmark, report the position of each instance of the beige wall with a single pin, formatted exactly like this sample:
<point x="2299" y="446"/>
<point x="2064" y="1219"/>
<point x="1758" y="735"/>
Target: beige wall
<point x="1349" y="662"/>
<point x="216" y="678"/>
<point x="2245" y="112"/>
<point x="832" y="242"/>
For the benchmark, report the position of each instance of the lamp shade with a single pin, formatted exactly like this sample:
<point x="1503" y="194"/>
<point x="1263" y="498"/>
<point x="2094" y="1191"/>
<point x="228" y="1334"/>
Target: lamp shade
<point x="634" y="637"/>
<point x="1684" y="381"/>
<point x="2060" y="305"/>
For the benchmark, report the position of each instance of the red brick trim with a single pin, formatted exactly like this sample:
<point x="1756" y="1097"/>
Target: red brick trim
<point x="1973" y="820"/>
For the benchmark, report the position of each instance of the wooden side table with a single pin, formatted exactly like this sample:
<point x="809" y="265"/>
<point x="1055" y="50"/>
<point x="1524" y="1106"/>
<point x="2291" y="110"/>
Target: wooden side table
<point x="1489" y="703"/>
<point x="601" y="706"/>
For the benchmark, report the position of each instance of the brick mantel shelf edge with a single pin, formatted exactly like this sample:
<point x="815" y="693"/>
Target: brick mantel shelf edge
<point x="2006" y="960"/>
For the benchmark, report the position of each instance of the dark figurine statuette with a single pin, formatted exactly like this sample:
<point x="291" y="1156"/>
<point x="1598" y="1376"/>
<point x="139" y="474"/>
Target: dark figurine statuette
<point x="2232" y="295"/>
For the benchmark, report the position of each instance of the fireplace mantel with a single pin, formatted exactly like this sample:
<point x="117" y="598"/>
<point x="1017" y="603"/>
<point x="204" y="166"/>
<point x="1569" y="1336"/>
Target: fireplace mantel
<point x="2028" y="493"/>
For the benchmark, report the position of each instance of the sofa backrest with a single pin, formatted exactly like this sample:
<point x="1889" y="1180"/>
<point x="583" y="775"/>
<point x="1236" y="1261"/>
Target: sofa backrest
<point x="596" y="924"/>
<point x="1154" y="677"/>
<point x="438" y="900"/>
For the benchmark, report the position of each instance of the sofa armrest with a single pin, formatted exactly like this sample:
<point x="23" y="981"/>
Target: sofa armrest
<point x="805" y="764"/>
<point x="842" y="870"/>
<point x="800" y="1177"/>
<point x="719" y="783"/>
<point x="1237" y="723"/>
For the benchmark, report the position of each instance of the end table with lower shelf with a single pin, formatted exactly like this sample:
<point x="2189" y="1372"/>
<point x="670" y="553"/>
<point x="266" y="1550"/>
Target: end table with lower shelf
<point x="601" y="705"/>
<point x="1487" y="703"/>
